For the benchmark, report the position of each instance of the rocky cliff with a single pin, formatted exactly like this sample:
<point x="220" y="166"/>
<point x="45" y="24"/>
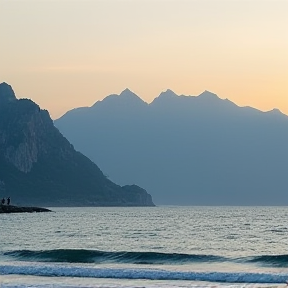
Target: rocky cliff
<point x="40" y="167"/>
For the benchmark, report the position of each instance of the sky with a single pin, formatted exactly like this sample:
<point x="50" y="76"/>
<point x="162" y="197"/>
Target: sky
<point x="65" y="54"/>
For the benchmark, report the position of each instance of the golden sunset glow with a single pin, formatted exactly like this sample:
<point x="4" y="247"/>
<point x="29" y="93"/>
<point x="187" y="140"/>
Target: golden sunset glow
<point x="66" y="54"/>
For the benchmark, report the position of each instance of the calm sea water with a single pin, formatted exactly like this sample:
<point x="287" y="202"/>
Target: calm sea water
<point x="145" y="247"/>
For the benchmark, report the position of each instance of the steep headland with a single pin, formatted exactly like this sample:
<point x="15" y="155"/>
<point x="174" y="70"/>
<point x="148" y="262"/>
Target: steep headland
<point x="40" y="167"/>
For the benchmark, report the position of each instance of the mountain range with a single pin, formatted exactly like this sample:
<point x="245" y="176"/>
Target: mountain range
<point x="186" y="150"/>
<point x="38" y="165"/>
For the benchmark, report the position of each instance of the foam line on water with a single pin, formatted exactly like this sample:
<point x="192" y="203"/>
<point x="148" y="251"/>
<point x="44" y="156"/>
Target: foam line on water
<point x="149" y="274"/>
<point x="154" y="285"/>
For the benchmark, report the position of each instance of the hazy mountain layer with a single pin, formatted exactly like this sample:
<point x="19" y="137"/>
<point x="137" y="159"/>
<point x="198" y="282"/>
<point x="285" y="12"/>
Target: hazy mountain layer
<point x="38" y="166"/>
<point x="184" y="149"/>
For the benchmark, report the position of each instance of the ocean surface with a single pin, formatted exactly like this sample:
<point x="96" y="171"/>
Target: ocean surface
<point x="145" y="247"/>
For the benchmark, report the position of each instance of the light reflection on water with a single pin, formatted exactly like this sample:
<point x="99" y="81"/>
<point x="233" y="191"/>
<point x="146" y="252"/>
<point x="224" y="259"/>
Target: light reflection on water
<point x="233" y="232"/>
<point x="227" y="231"/>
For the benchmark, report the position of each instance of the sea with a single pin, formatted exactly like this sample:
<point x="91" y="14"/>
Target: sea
<point x="165" y="246"/>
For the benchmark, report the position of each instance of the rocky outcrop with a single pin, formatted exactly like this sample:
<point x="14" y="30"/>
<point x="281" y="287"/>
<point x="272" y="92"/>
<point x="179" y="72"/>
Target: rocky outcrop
<point x="6" y="94"/>
<point x="17" y="209"/>
<point x="40" y="167"/>
<point x="139" y="194"/>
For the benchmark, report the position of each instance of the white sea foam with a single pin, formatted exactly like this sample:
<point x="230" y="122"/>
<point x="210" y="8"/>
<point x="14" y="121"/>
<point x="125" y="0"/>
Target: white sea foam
<point x="137" y="273"/>
<point x="138" y="286"/>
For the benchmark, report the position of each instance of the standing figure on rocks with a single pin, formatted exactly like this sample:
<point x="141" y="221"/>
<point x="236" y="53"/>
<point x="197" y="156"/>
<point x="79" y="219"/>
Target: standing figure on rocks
<point x="8" y="201"/>
<point x="3" y="201"/>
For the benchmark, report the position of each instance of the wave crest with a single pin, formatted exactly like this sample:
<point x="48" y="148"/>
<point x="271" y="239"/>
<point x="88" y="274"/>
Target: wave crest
<point x="149" y="258"/>
<point x="95" y="256"/>
<point x="149" y="274"/>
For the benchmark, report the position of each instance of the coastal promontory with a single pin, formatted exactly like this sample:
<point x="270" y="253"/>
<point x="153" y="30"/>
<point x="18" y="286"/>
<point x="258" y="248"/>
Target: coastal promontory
<point x="39" y="167"/>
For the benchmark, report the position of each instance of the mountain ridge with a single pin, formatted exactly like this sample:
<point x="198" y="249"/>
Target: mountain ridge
<point x="189" y="151"/>
<point x="206" y="94"/>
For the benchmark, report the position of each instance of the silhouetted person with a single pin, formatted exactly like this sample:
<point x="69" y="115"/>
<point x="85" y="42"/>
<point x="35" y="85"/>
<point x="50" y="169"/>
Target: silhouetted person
<point x="8" y="201"/>
<point x="3" y="201"/>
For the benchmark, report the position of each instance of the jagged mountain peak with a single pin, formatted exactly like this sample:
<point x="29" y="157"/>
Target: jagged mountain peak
<point x="6" y="93"/>
<point x="126" y="97"/>
<point x="208" y="95"/>
<point x="164" y="96"/>
<point x="168" y="93"/>
<point x="127" y="92"/>
<point x="276" y="112"/>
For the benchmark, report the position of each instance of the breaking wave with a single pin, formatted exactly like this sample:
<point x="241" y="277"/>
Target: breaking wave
<point x="148" y="274"/>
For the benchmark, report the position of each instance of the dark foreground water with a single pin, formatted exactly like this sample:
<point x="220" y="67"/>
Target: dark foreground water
<point x="145" y="247"/>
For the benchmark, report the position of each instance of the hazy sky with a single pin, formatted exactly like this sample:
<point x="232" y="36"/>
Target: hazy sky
<point x="66" y="54"/>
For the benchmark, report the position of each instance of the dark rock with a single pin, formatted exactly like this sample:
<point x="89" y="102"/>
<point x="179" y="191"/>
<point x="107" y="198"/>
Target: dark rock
<point x="18" y="209"/>
<point x="139" y="194"/>
<point x="6" y="93"/>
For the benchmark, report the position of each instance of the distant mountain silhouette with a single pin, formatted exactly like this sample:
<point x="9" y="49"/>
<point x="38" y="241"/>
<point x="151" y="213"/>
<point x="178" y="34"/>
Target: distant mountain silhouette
<point x="187" y="150"/>
<point x="38" y="166"/>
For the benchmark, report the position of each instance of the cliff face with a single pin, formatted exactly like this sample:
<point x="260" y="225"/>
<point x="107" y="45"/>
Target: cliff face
<point x="40" y="167"/>
<point x="23" y="126"/>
